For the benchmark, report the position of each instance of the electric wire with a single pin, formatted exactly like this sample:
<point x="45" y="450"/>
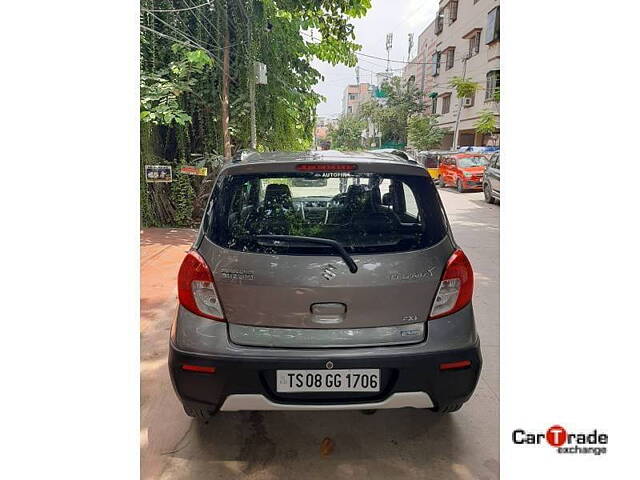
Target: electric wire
<point x="180" y="9"/>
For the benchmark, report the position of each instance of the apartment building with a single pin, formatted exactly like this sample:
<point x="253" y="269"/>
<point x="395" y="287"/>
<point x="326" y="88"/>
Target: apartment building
<point x="417" y="70"/>
<point x="467" y="44"/>
<point x="354" y="96"/>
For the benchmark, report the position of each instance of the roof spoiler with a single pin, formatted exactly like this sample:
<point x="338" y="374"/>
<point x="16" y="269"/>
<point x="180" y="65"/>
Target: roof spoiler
<point x="243" y="155"/>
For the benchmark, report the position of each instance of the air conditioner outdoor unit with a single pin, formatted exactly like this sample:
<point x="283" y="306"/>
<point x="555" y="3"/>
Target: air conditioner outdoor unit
<point x="467" y="102"/>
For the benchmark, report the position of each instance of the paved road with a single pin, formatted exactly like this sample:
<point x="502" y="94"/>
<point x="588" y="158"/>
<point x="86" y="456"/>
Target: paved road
<point x="403" y="443"/>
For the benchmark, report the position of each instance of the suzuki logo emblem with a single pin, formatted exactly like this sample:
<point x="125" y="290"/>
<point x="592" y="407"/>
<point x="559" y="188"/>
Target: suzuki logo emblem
<point x="329" y="272"/>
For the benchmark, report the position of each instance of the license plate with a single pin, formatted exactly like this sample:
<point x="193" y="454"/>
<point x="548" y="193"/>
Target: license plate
<point x="352" y="380"/>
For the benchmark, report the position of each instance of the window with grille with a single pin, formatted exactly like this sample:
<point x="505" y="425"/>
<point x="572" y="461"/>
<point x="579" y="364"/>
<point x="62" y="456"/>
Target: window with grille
<point x="446" y="104"/>
<point x="493" y="84"/>
<point x="493" y="26"/>
<point x="474" y="44"/>
<point x="439" y="22"/>
<point x="435" y="67"/>
<point x="450" y="58"/>
<point x="453" y="11"/>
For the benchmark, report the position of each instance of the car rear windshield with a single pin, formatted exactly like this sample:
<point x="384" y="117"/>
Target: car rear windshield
<point x="467" y="162"/>
<point x="365" y="212"/>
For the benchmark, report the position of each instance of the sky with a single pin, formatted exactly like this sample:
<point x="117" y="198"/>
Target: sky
<point x="399" y="17"/>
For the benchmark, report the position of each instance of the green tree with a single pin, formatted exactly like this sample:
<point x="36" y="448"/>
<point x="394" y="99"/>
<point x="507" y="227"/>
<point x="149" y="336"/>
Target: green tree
<point x="370" y="112"/>
<point x="347" y="134"/>
<point x="181" y="51"/>
<point x="423" y="131"/>
<point x="464" y="88"/>
<point x="390" y="116"/>
<point x="160" y="91"/>
<point x="486" y="123"/>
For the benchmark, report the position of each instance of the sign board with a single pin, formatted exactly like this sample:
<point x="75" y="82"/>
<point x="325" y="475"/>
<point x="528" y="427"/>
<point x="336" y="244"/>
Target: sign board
<point x="157" y="173"/>
<point x="190" y="170"/>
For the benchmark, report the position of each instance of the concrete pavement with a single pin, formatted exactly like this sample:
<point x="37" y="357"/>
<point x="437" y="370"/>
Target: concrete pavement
<point x="403" y="443"/>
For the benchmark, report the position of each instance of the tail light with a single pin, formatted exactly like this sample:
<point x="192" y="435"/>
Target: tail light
<point x="196" y="291"/>
<point x="456" y="286"/>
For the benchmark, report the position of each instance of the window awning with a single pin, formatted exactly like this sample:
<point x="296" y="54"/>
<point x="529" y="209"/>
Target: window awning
<point x="472" y="32"/>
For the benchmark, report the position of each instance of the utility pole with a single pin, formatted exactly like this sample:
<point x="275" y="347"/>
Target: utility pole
<point x="389" y="44"/>
<point x="460" y="100"/>
<point x="410" y="47"/>
<point x="251" y="77"/>
<point x="358" y="75"/>
<point x="226" y="138"/>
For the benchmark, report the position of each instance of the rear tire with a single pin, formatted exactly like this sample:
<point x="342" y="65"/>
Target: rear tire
<point x="488" y="197"/>
<point x="200" y="413"/>
<point x="459" y="186"/>
<point x="454" y="407"/>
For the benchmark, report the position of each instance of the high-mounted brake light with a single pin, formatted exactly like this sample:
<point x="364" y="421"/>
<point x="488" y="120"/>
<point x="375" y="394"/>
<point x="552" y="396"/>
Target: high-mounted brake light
<point x="326" y="167"/>
<point x="456" y="286"/>
<point x="196" y="291"/>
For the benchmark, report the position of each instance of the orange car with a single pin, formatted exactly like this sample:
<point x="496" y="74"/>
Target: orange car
<point x="462" y="170"/>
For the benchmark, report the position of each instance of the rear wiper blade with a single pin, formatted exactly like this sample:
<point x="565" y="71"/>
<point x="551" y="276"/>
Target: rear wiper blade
<point x="337" y="246"/>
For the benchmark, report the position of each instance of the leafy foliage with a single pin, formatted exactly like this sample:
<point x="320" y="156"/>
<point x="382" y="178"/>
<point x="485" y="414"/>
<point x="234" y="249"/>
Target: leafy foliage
<point x="347" y="134"/>
<point x="181" y="78"/>
<point x="487" y="123"/>
<point x="390" y="117"/>
<point x="423" y="131"/>
<point x="464" y="88"/>
<point x="160" y="91"/>
<point x="183" y="195"/>
<point x="496" y="95"/>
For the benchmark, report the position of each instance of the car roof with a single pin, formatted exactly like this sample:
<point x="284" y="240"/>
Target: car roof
<point x="436" y="152"/>
<point x="468" y="154"/>
<point x="365" y="156"/>
<point x="250" y="161"/>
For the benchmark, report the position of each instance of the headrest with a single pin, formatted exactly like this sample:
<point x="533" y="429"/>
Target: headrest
<point x="277" y="195"/>
<point x="355" y="190"/>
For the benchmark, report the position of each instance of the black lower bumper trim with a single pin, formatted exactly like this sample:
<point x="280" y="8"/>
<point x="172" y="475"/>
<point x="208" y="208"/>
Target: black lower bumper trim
<point x="402" y="373"/>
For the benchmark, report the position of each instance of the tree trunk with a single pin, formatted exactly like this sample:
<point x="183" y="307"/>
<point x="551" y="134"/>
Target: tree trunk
<point x="225" y="85"/>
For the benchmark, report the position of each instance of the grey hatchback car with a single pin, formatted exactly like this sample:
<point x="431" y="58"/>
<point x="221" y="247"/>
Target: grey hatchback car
<point x="324" y="281"/>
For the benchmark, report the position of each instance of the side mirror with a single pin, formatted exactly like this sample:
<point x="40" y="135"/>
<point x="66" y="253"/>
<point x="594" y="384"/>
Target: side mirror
<point x="386" y="199"/>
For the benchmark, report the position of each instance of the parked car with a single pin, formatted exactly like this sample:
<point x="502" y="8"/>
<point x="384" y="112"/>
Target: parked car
<point x="430" y="159"/>
<point x="462" y="170"/>
<point x="491" y="180"/>
<point x="296" y="302"/>
<point x="476" y="149"/>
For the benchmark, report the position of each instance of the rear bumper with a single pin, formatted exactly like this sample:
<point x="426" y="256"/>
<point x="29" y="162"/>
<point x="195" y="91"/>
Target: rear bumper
<point x="249" y="383"/>
<point x="244" y="377"/>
